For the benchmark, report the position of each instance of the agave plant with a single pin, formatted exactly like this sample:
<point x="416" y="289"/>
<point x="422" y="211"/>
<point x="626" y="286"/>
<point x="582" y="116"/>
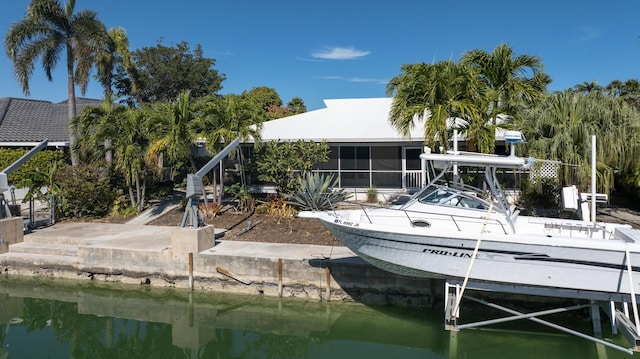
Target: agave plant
<point x="314" y="191"/>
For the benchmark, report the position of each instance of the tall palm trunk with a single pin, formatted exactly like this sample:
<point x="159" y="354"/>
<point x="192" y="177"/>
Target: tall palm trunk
<point x="71" y="102"/>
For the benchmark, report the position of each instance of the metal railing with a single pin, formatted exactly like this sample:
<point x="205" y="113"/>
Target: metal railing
<point x="411" y="216"/>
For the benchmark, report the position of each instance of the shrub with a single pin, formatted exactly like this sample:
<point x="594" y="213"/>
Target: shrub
<point x="277" y="163"/>
<point x="314" y="192"/>
<point x="41" y="160"/>
<point x="276" y="205"/>
<point x="121" y="206"/>
<point x="246" y="202"/>
<point x="372" y="195"/>
<point x="84" y="191"/>
<point x="540" y="197"/>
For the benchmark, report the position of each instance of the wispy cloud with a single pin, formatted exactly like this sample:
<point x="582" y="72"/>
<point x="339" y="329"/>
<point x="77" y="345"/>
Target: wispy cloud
<point x="589" y="33"/>
<point x="355" y="79"/>
<point x="339" y="53"/>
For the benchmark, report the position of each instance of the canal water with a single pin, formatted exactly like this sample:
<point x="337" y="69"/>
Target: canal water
<point x="54" y="319"/>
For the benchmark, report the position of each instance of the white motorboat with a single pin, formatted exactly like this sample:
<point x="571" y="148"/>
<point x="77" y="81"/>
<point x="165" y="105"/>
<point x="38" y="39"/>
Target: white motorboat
<point x="454" y="231"/>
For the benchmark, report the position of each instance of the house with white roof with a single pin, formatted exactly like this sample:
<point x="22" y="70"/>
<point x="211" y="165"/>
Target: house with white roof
<point x="366" y="151"/>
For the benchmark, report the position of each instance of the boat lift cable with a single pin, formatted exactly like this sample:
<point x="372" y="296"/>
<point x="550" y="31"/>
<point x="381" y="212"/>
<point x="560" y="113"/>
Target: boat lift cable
<point x="473" y="259"/>
<point x="633" y="294"/>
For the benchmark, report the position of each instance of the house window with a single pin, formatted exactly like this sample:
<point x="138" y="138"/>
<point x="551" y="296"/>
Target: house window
<point x="332" y="163"/>
<point x="365" y="166"/>
<point x="354" y="157"/>
<point x="386" y="166"/>
<point x="354" y="179"/>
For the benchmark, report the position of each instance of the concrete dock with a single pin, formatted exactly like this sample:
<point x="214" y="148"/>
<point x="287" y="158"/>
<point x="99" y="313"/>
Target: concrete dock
<point x="203" y="260"/>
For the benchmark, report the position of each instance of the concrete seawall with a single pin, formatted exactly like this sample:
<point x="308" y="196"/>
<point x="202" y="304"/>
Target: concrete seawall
<point x="189" y="258"/>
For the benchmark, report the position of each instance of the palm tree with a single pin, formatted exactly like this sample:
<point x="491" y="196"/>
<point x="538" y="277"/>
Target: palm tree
<point x="513" y="83"/>
<point x="587" y="87"/>
<point x="121" y="133"/>
<point x="92" y="127"/>
<point x="435" y="94"/>
<point x="222" y="119"/>
<point x="561" y="129"/>
<point x="47" y="32"/>
<point x="130" y="147"/>
<point x="172" y="137"/>
<point x="614" y="88"/>
<point x="116" y="49"/>
<point x="296" y="105"/>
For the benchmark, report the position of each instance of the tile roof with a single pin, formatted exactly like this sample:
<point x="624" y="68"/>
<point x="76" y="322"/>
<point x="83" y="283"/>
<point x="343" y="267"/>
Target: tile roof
<point x="25" y="120"/>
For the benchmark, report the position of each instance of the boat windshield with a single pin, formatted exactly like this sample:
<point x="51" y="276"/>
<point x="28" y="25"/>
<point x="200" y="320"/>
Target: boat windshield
<point x="443" y="196"/>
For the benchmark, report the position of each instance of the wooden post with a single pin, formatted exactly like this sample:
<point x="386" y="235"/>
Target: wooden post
<point x="191" y="271"/>
<point x="327" y="271"/>
<point x="280" y="277"/>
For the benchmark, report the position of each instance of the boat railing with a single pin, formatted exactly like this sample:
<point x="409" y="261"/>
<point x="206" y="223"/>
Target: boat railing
<point x="415" y="217"/>
<point x="559" y="227"/>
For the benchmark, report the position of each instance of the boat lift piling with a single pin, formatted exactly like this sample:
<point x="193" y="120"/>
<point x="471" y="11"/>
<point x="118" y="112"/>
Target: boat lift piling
<point x="619" y="320"/>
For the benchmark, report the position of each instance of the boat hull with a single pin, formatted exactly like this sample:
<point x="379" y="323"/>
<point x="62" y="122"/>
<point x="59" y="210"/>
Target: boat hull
<point x="551" y="263"/>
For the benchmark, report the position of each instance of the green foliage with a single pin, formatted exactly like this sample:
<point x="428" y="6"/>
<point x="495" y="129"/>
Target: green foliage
<point x="561" y="129"/>
<point x="41" y="161"/>
<point x="265" y="96"/>
<point x="628" y="183"/>
<point x="544" y="193"/>
<point x="314" y="191"/>
<point x="122" y="207"/>
<point x="246" y="202"/>
<point x="161" y="73"/>
<point x="38" y="179"/>
<point x="372" y="195"/>
<point x="433" y="94"/>
<point x="85" y="191"/>
<point x="296" y="106"/>
<point x="278" y="162"/>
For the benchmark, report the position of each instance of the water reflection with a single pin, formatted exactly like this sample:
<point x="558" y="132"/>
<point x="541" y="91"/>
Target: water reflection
<point x="42" y="319"/>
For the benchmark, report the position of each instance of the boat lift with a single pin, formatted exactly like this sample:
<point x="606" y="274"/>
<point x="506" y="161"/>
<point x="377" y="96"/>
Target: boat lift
<point x="194" y="187"/>
<point x="5" y="211"/>
<point x="620" y="320"/>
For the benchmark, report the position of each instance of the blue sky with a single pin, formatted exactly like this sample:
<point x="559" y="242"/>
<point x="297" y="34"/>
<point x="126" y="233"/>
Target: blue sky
<point x="333" y="49"/>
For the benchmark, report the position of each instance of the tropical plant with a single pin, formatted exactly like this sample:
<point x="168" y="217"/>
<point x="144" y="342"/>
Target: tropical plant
<point x="316" y="192"/>
<point x="246" y="202"/>
<point x="48" y="31"/>
<point x="277" y="206"/>
<point x="84" y="191"/>
<point x="92" y="129"/>
<point x="513" y="83"/>
<point x="372" y="194"/>
<point x="296" y="106"/>
<point x="39" y="179"/>
<point x="172" y="137"/>
<point x="587" y="87"/>
<point x="434" y="94"/>
<point x="130" y="151"/>
<point x="561" y="129"/>
<point x="278" y="163"/>
<point x="115" y="51"/>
